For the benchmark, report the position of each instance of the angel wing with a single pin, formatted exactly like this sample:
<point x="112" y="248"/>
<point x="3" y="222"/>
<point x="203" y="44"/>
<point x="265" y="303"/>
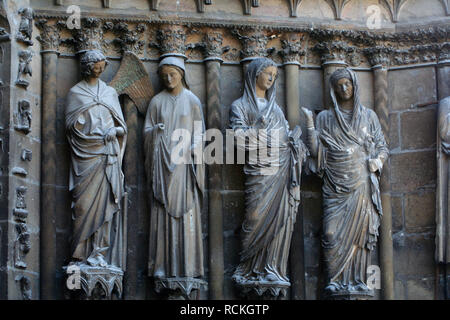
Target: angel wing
<point x="133" y="80"/>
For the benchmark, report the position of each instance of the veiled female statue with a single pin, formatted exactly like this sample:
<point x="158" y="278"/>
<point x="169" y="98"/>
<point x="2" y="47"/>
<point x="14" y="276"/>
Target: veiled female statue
<point x="275" y="156"/>
<point x="443" y="204"/>
<point x="348" y="150"/>
<point x="96" y="132"/>
<point x="176" y="183"/>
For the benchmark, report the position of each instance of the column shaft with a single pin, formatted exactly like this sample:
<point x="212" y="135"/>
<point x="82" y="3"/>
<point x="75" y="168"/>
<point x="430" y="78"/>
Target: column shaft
<point x="297" y="256"/>
<point x="48" y="176"/>
<point x="386" y="247"/>
<point x="213" y="120"/>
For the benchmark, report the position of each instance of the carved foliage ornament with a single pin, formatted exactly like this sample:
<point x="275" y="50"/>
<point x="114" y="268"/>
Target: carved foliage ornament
<point x="50" y="34"/>
<point x="128" y="39"/>
<point x="292" y="49"/>
<point x="171" y="39"/>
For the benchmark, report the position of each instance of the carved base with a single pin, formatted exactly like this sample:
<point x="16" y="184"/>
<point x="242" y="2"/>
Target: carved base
<point x="185" y="285"/>
<point x="349" y="295"/>
<point x="96" y="283"/>
<point x="23" y="83"/>
<point x="273" y="288"/>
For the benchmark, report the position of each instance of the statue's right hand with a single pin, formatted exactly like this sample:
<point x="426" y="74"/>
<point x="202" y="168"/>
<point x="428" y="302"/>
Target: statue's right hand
<point x="309" y="117"/>
<point x="161" y="126"/>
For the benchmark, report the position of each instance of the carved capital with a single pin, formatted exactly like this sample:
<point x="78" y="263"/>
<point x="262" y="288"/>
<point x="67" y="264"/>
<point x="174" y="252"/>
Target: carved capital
<point x="292" y="48"/>
<point x="172" y="39"/>
<point x="254" y="43"/>
<point x="50" y="37"/>
<point x="378" y="55"/>
<point x="90" y="35"/>
<point x="213" y="44"/>
<point x="334" y="51"/>
<point x="130" y="39"/>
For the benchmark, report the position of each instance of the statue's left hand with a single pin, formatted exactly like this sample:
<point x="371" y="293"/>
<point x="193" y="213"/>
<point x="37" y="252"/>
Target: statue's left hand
<point x="374" y="164"/>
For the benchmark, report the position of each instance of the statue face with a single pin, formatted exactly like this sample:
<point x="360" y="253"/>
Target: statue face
<point x="171" y="77"/>
<point x="266" y="78"/>
<point x="344" y="89"/>
<point x="98" y="68"/>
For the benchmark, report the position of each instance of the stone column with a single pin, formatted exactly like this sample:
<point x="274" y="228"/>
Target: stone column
<point x="49" y="40"/>
<point x="443" y="76"/>
<point x="378" y="58"/>
<point x="291" y="54"/>
<point x="213" y="53"/>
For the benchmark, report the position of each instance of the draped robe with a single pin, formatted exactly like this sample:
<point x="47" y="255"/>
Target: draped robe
<point x="351" y="194"/>
<point x="272" y="186"/>
<point x="96" y="178"/>
<point x="176" y="244"/>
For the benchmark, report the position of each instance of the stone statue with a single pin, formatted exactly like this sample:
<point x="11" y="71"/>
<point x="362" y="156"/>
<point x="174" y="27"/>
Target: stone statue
<point x="26" y="26"/>
<point x="177" y="187"/>
<point x="443" y="204"/>
<point x="25" y="57"/>
<point x="272" y="185"/>
<point x="348" y="150"/>
<point x="97" y="133"/>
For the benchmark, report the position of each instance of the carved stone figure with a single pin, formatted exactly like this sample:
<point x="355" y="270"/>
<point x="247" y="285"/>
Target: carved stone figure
<point x="176" y="187"/>
<point x="26" y="26"/>
<point x="348" y="150"/>
<point x="25" y="57"/>
<point x="23" y="117"/>
<point x="97" y="133"/>
<point x="443" y="204"/>
<point x="272" y="182"/>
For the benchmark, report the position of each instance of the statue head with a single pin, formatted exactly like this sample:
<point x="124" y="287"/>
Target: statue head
<point x="342" y="83"/>
<point x="261" y="75"/>
<point x="92" y="64"/>
<point x="172" y="72"/>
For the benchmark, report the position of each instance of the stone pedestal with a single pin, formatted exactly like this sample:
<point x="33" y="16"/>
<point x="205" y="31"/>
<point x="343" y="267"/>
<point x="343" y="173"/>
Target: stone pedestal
<point x="94" y="282"/>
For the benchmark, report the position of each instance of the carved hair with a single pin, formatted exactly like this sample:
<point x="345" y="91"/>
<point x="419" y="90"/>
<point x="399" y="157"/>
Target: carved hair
<point x="87" y="61"/>
<point x="340" y="74"/>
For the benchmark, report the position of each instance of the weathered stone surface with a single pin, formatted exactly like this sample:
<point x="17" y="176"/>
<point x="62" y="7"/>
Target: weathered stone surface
<point x="420" y="211"/>
<point x="413" y="170"/>
<point x="421" y="289"/>
<point x="399" y="288"/>
<point x="411" y="87"/>
<point x="394" y="133"/>
<point x="414" y="255"/>
<point x="397" y="213"/>
<point x="418" y="129"/>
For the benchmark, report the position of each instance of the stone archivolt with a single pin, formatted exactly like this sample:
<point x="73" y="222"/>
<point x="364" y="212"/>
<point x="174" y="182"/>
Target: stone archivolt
<point x="359" y="48"/>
